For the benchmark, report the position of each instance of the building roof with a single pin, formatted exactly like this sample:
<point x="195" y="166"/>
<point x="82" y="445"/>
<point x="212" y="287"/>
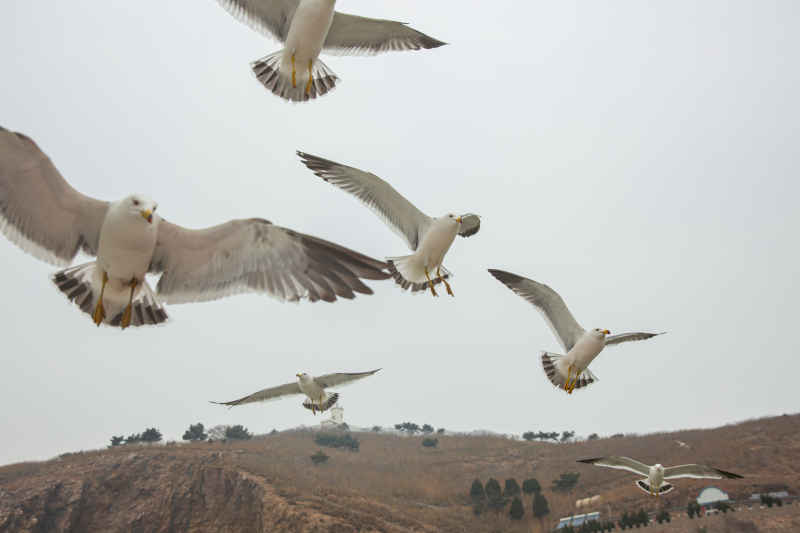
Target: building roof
<point x="711" y="495"/>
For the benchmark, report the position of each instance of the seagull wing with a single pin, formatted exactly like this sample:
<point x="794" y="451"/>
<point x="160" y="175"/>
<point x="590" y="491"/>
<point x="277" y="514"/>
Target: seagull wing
<point x="398" y="213"/>
<point x="548" y="302"/>
<point x="627" y="337"/>
<point x="354" y="35"/>
<point x="266" y="394"/>
<point x="333" y="380"/>
<point x="470" y="225"/>
<point x="270" y="17"/>
<point x="697" y="471"/>
<point x="39" y="211"/>
<point x="253" y="255"/>
<point x="620" y="463"/>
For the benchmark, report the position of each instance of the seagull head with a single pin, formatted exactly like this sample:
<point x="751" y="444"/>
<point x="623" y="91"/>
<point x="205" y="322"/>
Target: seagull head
<point x="302" y="376"/>
<point x="454" y="218"/>
<point x="141" y="205"/>
<point x="600" y="333"/>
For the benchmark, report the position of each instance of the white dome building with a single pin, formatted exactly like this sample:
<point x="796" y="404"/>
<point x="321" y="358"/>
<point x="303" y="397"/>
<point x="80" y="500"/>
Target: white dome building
<point x="711" y="495"/>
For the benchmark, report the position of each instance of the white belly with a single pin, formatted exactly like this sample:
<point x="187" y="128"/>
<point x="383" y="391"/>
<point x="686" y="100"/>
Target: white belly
<point x="656" y="478"/>
<point x="584" y="352"/>
<point x="435" y="244"/>
<point x="307" y="33"/>
<point x="126" y="249"/>
<point x="314" y="392"/>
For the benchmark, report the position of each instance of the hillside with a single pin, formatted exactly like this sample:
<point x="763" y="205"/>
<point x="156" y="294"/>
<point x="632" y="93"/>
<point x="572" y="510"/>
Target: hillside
<point x="391" y="484"/>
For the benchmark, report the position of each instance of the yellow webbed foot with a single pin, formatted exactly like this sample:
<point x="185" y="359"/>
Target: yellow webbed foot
<point x="430" y="283"/>
<point x="310" y="76"/>
<point x="294" y="74"/>
<point x="99" y="312"/>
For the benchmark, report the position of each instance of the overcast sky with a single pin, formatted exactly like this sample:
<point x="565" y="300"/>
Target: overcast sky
<point x="640" y="157"/>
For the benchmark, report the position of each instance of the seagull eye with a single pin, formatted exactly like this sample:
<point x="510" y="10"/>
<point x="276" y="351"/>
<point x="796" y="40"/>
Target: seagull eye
<point x="136" y="202"/>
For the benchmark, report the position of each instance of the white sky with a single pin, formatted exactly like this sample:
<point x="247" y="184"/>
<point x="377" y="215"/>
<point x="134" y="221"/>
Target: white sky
<point x="640" y="157"/>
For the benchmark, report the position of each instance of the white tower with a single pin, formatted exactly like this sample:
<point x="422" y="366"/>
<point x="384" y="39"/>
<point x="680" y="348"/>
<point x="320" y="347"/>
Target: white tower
<point x="337" y="416"/>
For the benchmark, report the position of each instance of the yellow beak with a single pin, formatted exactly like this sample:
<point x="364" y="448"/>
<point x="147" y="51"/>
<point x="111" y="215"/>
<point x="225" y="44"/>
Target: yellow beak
<point x="147" y="215"/>
<point x="606" y="332"/>
<point x="298" y="375"/>
<point x="458" y="220"/>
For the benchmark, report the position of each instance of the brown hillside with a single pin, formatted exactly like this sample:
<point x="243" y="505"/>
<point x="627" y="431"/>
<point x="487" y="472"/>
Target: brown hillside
<point x="392" y="484"/>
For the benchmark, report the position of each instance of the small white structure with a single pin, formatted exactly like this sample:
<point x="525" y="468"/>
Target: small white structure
<point x="577" y="520"/>
<point x="711" y="495"/>
<point x="336" y="419"/>
<point x="588" y="502"/>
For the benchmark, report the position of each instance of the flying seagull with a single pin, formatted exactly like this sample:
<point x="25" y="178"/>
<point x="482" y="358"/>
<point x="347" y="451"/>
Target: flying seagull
<point x="656" y="474"/>
<point x="42" y="214"/>
<point x="568" y="371"/>
<point x="308" y="27"/>
<point x="312" y="387"/>
<point x="429" y="238"/>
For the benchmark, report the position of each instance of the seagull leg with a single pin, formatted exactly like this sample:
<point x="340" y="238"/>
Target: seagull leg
<point x="569" y="373"/>
<point x="447" y="285"/>
<point x="430" y="283"/>
<point x="294" y="74"/>
<point x="126" y="315"/>
<point x="99" y="310"/>
<point x="310" y="77"/>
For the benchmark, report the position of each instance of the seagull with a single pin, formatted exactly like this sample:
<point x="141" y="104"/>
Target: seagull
<point x="312" y="387"/>
<point x="42" y="214"/>
<point x="568" y="371"/>
<point x="308" y="27"/>
<point x="656" y="474"/>
<point x="429" y="238"/>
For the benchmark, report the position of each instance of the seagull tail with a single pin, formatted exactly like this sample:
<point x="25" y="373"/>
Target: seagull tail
<point x="409" y="272"/>
<point x="556" y="371"/>
<point x="81" y="285"/>
<point x="277" y="77"/>
<point x="645" y="486"/>
<point x="327" y="404"/>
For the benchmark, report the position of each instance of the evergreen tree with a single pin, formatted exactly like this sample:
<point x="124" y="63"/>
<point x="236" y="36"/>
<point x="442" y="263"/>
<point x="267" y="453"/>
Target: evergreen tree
<point x="593" y="436"/>
<point x="237" y="432"/>
<point x="516" y="510"/>
<point x="116" y="441"/>
<point x="511" y="489"/>
<point x="427" y="428"/>
<point x="529" y="486"/>
<point x="566" y="482"/>
<point x="493" y="489"/>
<point x="540" y="506"/>
<point x="319" y="457"/>
<point x="529" y="435"/>
<point x="151" y="435"/>
<point x="476" y="492"/>
<point x="195" y="432"/>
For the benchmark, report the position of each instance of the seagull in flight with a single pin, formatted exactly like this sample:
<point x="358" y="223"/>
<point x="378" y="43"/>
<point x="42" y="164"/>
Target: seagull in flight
<point x="429" y="238"/>
<point x="309" y="27"/>
<point x="568" y="371"/>
<point x="656" y="474"/>
<point x="312" y="387"/>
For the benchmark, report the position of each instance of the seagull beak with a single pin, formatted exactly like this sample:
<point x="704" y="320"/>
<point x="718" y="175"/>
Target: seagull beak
<point x="458" y="220"/>
<point x="606" y="332"/>
<point x="147" y="214"/>
<point x="298" y="375"/>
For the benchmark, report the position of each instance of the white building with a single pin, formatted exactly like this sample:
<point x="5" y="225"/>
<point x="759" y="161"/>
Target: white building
<point x="336" y="419"/>
<point x="711" y="495"/>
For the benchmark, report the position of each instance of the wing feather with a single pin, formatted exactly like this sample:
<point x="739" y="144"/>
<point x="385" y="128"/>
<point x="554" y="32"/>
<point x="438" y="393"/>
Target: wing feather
<point x="39" y="211"/>
<point x="619" y="463"/>
<point x="354" y="35"/>
<point x="698" y="472"/>
<point x="628" y="337"/>
<point x="548" y="302"/>
<point x="341" y="378"/>
<point x="398" y="213"/>
<point x="265" y="394"/>
<point x="269" y="17"/>
<point x="253" y="255"/>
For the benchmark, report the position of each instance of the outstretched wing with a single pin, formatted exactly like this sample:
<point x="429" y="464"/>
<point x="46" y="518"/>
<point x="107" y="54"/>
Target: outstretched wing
<point x="548" y="302"/>
<point x="470" y="225"/>
<point x="254" y="256"/>
<point x="265" y="394"/>
<point x="698" y="471"/>
<point x="354" y="35"/>
<point x="627" y="337"/>
<point x="334" y="380"/>
<point x="39" y="211"/>
<point x="620" y="463"/>
<point x="399" y="214"/>
<point x="270" y="17"/>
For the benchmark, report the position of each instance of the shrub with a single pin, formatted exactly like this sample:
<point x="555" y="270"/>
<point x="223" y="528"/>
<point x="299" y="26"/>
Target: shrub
<point x="540" y="506"/>
<point x="566" y="435"/>
<point x="566" y="482"/>
<point x="516" y="510"/>
<point x="116" y="441"/>
<point x="133" y="438"/>
<point x="427" y="428"/>
<point x="529" y="435"/>
<point x="529" y="486"/>
<point x="333" y="440"/>
<point x="319" y="457"/>
<point x="376" y="429"/>
<point x="430" y="443"/>
<point x="511" y="489"/>
<point x="493" y="489"/>
<point x="662" y="516"/>
<point x="237" y="432"/>
<point x="593" y="436"/>
<point x="195" y="432"/>
<point x="408" y="427"/>
<point x="693" y="509"/>
<point x="440" y="431"/>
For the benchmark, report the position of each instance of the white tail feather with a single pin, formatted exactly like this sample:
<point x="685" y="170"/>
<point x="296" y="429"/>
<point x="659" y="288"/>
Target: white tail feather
<point x="278" y="79"/>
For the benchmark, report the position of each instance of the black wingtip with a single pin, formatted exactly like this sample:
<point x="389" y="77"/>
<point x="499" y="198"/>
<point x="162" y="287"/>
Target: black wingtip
<point x="730" y="475"/>
<point x="503" y="276"/>
<point x="589" y="461"/>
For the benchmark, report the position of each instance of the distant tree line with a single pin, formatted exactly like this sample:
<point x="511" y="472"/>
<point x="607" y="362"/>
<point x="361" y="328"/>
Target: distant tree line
<point x="564" y="436"/>
<point x="412" y="428"/>
<point x="634" y="519"/>
<point x="148" y="435"/>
